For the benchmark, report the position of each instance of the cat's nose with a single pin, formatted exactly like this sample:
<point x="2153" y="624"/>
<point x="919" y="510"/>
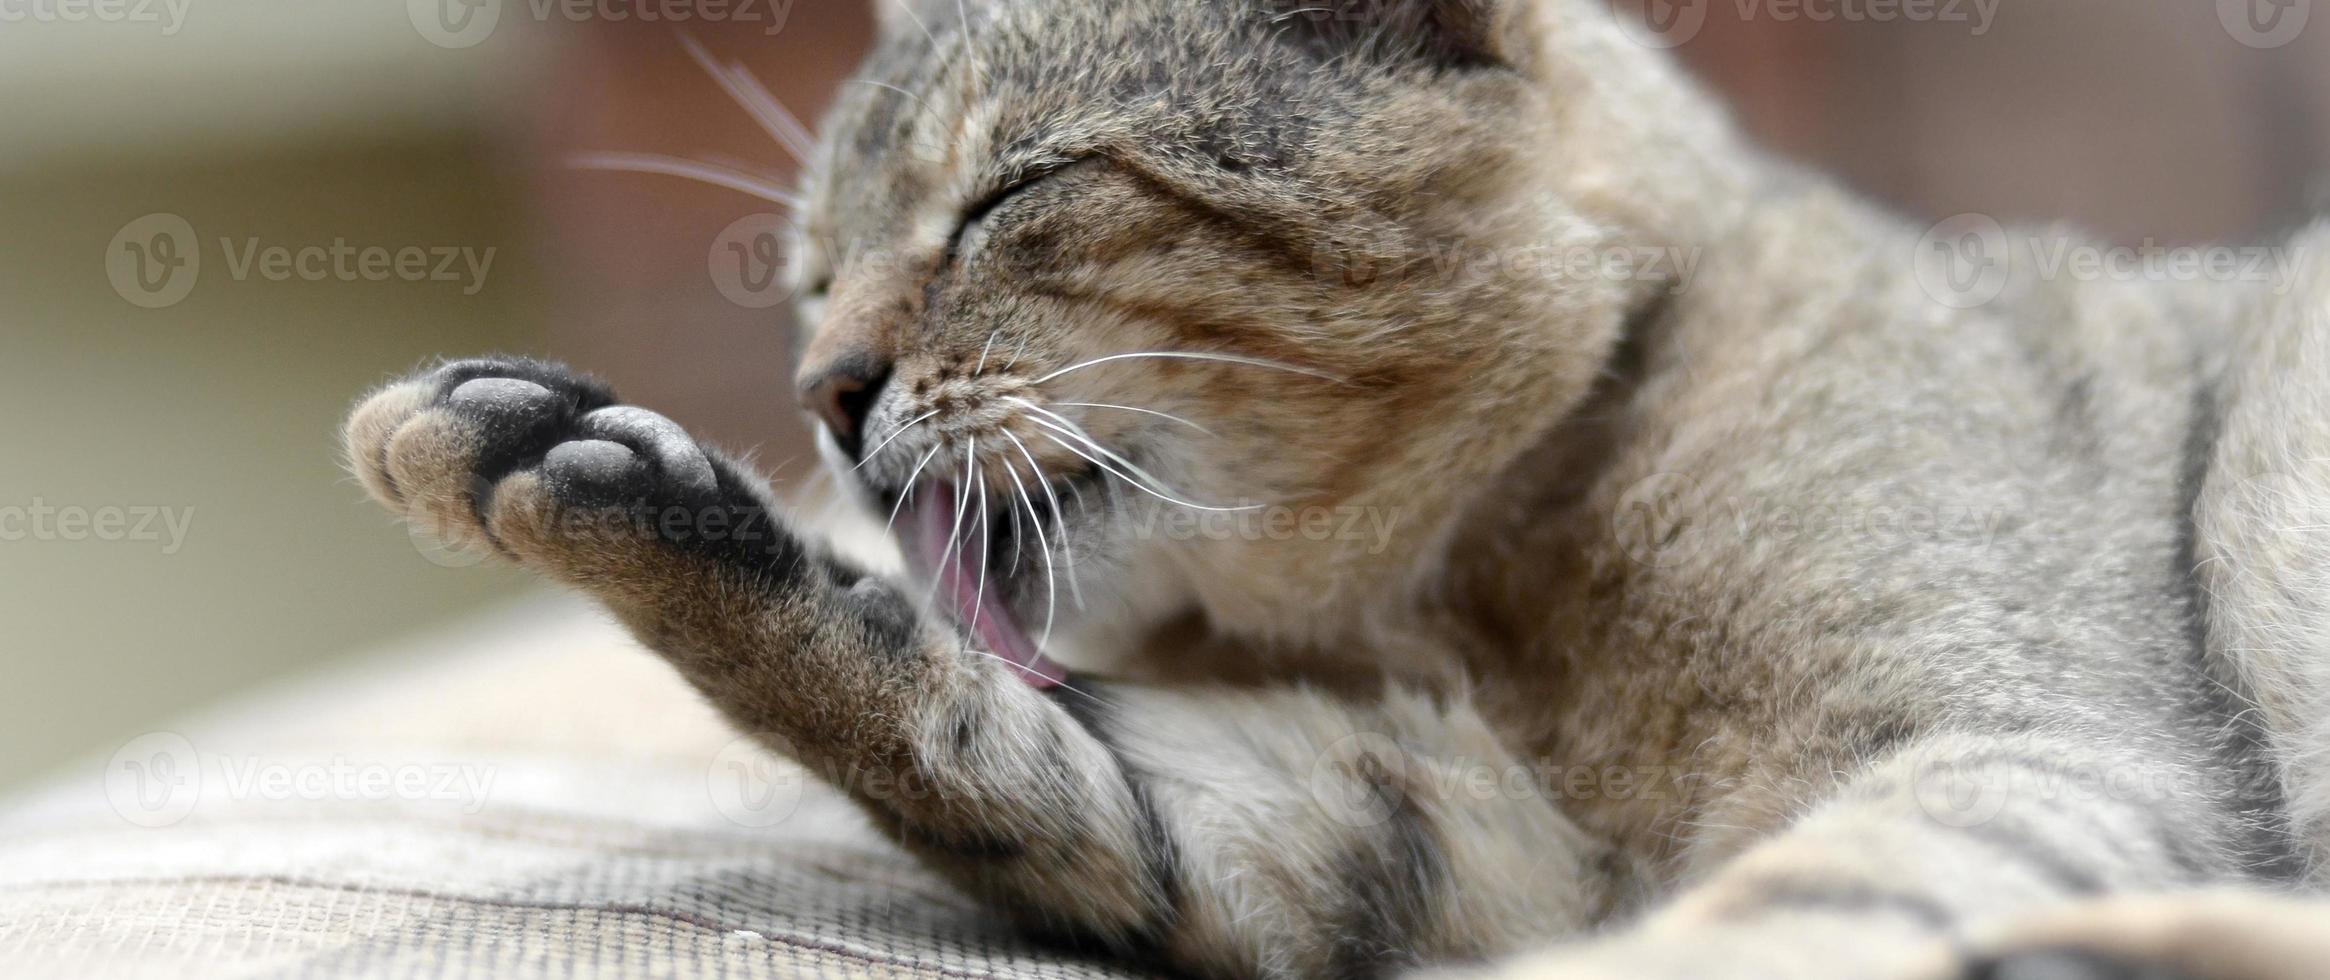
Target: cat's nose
<point x="842" y="394"/>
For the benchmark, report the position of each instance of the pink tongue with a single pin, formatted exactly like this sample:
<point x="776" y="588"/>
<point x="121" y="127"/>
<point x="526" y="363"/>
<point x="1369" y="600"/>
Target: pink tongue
<point x="933" y="520"/>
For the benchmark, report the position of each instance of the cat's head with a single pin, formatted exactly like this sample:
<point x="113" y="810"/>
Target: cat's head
<point x="1159" y="307"/>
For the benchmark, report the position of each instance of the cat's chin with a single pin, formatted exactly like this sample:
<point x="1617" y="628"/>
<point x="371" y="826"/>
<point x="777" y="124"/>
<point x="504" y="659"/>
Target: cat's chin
<point x="976" y="596"/>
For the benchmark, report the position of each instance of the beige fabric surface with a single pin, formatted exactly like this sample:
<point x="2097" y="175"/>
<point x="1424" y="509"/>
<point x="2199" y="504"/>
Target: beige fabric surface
<point x="530" y="796"/>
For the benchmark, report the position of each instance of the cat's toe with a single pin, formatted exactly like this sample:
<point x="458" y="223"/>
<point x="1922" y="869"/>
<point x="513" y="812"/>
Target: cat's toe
<point x="595" y="472"/>
<point x="432" y="446"/>
<point x="540" y="464"/>
<point x="632" y="459"/>
<point x="579" y="391"/>
<point x="680" y="463"/>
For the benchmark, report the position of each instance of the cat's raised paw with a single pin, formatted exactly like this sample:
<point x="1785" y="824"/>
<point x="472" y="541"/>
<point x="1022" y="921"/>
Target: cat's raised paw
<point x="541" y="464"/>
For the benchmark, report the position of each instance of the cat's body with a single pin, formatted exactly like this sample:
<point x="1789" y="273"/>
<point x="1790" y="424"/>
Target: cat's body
<point x="1765" y="603"/>
<point x="1778" y="595"/>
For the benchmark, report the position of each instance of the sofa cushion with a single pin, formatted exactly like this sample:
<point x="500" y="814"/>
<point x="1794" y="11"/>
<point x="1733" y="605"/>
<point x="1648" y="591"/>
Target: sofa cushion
<point x="529" y="795"/>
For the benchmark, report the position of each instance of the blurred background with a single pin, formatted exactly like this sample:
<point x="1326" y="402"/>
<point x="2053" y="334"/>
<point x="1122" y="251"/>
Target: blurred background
<point x="175" y="530"/>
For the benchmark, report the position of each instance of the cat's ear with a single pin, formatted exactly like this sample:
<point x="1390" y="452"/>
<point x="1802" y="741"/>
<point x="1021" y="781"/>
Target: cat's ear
<point x="1457" y="33"/>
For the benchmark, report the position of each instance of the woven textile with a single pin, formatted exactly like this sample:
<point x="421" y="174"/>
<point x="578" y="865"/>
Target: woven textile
<point x="530" y="797"/>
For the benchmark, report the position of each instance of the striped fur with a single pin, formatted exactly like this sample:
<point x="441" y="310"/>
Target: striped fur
<point x="1759" y="613"/>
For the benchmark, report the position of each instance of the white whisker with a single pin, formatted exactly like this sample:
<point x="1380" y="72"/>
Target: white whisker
<point x="946" y="555"/>
<point x="696" y="170"/>
<point x="925" y="103"/>
<point x="1075" y="584"/>
<point x="1043" y="547"/>
<point x="902" y="430"/>
<point x="907" y="8"/>
<point x="1148" y="481"/>
<point x="984" y="351"/>
<point x="1193" y="356"/>
<point x="1061" y="423"/>
<point x="986" y="540"/>
<point x="1031" y="672"/>
<point x="1143" y="411"/>
<point x="890" y="528"/>
<point x="756" y="101"/>
<point x="1053" y="498"/>
<point x="1138" y="485"/>
<point x="1018" y="536"/>
<point x="971" y="47"/>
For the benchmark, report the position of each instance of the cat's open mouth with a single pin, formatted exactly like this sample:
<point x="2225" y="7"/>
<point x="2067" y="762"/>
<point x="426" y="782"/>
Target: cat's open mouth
<point x="941" y="546"/>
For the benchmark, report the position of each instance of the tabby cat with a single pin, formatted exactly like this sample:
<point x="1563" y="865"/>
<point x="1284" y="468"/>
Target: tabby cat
<point x="1309" y="566"/>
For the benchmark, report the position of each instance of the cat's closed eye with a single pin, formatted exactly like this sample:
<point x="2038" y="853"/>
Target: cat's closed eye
<point x="971" y="237"/>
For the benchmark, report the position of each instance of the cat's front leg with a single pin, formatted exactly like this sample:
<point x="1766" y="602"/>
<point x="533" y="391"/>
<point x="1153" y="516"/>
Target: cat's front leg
<point x="1259" y="833"/>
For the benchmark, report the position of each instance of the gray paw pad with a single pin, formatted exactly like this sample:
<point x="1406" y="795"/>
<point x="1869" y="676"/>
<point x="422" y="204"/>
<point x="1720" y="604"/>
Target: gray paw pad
<point x="683" y="461"/>
<point x="592" y="464"/>
<point x="502" y="397"/>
